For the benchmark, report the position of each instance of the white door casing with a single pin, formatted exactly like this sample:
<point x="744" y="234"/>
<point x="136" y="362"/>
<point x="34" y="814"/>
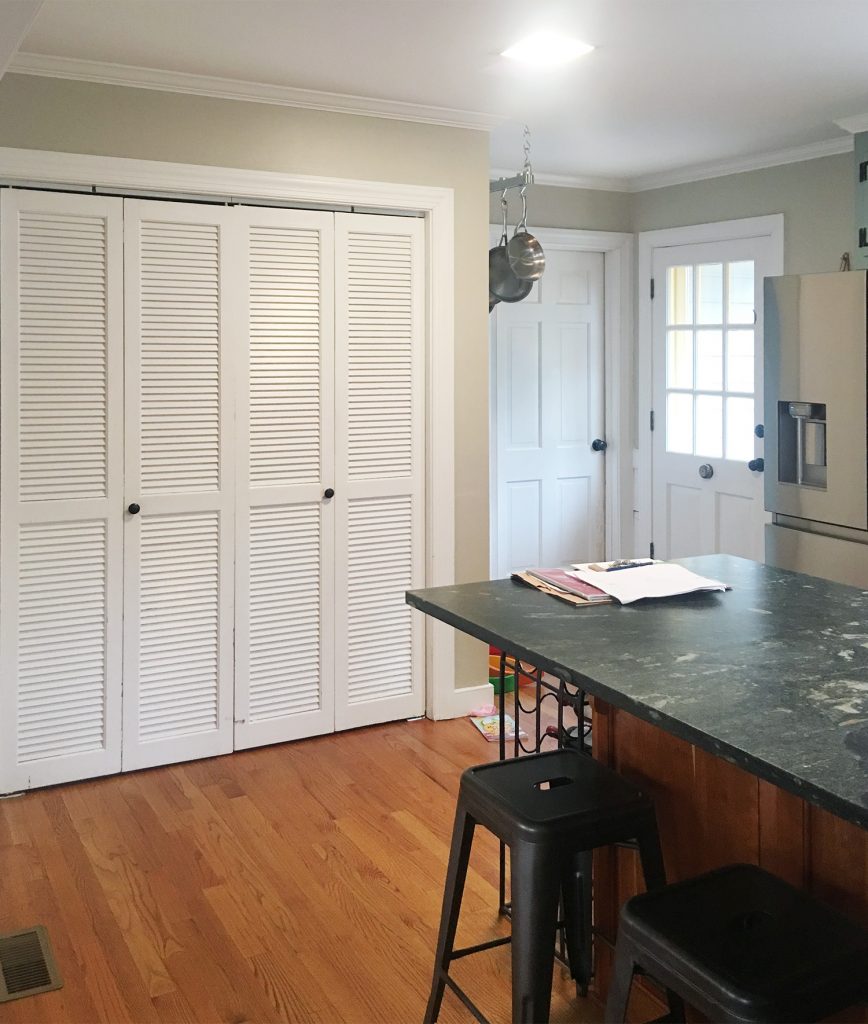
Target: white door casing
<point x="550" y="402"/>
<point x="703" y="374"/>
<point x="180" y="314"/>
<point x="62" y="480"/>
<point x="379" y="497"/>
<point x="285" y="573"/>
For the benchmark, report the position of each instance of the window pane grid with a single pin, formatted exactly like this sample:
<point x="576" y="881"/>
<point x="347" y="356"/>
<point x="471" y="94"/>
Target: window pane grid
<point x="710" y="360"/>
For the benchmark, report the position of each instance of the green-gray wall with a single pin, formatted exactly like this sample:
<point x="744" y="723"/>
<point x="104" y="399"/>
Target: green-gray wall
<point x="553" y="207"/>
<point x="816" y="197"/>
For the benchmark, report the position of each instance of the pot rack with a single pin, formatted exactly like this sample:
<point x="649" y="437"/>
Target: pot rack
<point x="524" y="176"/>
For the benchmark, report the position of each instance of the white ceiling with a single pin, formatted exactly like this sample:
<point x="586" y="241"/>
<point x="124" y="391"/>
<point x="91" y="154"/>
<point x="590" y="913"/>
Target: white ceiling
<point x="671" y="84"/>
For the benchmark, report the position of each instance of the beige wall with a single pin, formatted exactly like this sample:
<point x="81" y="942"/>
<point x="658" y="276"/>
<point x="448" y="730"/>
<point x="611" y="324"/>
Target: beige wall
<point x="816" y="197"/>
<point x="80" y="117"/>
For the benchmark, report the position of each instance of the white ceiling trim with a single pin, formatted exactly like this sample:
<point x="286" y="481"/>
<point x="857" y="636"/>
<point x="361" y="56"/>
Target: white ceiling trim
<point x="854" y="125"/>
<point x="254" y="92"/>
<point x="599" y="184"/>
<point x="15" y="22"/>
<point x="757" y="162"/>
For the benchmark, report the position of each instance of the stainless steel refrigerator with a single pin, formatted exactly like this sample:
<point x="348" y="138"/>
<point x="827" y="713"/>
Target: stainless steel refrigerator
<point x="816" y="420"/>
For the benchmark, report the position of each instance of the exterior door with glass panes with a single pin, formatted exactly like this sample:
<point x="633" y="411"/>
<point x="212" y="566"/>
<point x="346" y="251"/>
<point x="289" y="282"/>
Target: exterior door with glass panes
<point x="707" y="380"/>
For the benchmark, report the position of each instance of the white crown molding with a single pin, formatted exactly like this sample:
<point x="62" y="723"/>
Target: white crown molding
<point x="757" y="162"/>
<point x="596" y="183"/>
<point x="16" y="21"/>
<point x="702" y="172"/>
<point x="854" y="125"/>
<point x="105" y="73"/>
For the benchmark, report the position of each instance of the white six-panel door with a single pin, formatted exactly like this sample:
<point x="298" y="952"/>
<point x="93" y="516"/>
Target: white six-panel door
<point x="62" y="485"/>
<point x="285" y="526"/>
<point x="380" y="444"/>
<point x="549" y="409"/>
<point x="178" y="550"/>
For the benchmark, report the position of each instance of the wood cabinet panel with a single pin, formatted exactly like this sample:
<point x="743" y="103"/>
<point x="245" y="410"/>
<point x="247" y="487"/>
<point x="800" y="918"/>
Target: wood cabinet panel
<point x="711" y="812"/>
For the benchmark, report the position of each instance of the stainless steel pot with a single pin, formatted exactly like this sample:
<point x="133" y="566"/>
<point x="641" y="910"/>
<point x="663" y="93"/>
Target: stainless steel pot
<point x="503" y="285"/>
<point x="526" y="257"/>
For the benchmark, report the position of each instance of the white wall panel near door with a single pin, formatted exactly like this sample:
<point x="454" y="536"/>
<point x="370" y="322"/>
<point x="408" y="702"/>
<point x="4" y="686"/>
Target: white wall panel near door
<point x="178" y="573"/>
<point x="285" y="526"/>
<point x="380" y="443"/>
<point x="62" y="475"/>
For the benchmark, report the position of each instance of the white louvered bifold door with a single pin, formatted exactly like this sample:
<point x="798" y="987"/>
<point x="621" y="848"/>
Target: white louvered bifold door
<point x="380" y="445"/>
<point x="285" y="527"/>
<point x="61" y="337"/>
<point x="178" y="550"/>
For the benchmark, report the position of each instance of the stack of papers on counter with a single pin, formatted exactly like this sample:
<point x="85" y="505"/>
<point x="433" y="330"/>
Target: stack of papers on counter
<point x="659" y="579"/>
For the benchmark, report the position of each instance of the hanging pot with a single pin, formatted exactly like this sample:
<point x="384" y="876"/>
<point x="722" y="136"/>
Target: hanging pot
<point x="503" y="285"/>
<point x="526" y="257"/>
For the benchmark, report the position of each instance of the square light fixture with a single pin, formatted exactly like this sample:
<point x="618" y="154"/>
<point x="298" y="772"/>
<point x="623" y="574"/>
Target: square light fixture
<point x="547" y="49"/>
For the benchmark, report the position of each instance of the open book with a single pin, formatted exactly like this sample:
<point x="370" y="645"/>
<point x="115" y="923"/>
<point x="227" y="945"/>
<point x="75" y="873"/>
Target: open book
<point x="660" y="579"/>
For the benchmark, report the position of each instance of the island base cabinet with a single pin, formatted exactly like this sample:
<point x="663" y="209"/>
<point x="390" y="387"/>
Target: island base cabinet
<point x="710" y="813"/>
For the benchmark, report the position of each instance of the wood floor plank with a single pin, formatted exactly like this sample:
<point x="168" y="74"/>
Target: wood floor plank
<point x="293" y="884"/>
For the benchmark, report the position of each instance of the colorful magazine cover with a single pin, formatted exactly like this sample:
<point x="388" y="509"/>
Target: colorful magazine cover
<point x="489" y="726"/>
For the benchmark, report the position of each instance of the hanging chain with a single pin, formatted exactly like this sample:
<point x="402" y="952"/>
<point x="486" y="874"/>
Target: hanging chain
<point x="526" y="146"/>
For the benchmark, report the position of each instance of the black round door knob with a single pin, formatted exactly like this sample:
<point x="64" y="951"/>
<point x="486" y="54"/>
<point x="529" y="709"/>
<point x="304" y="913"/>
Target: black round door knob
<point x="757" y="465"/>
<point x="134" y="509"/>
<point x="329" y="492"/>
<point x="599" y="445"/>
<point x="706" y="471"/>
<point x="759" y="430"/>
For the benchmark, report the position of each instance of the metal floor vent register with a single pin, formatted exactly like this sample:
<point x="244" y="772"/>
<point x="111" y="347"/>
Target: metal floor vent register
<point x="27" y="965"/>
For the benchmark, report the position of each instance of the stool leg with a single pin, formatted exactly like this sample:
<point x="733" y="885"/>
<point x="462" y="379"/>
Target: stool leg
<point x="654" y="873"/>
<point x="651" y="856"/>
<point x="576" y="892"/>
<point x="535" y="889"/>
<point x="456" y="873"/>
<point x="620" y="983"/>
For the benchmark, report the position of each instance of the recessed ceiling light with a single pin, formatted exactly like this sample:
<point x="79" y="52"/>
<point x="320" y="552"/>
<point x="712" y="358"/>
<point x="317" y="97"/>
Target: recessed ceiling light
<point x="547" y="49"/>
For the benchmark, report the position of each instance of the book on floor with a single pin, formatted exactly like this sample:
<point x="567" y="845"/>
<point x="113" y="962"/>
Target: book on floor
<point x="489" y="726"/>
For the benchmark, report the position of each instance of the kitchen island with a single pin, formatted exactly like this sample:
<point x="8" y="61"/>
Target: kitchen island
<point x="743" y="714"/>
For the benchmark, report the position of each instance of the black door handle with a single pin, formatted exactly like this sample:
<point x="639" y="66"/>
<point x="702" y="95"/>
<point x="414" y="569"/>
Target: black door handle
<point x="329" y="492"/>
<point x="599" y="445"/>
<point x="757" y="465"/>
<point x="134" y="509"/>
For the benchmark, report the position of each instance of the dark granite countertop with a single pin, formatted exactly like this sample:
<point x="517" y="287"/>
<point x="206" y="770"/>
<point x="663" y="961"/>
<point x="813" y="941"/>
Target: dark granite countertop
<point x="772" y="675"/>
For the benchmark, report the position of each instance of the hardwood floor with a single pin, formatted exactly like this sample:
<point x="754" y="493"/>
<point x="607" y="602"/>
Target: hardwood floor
<point x="299" y="882"/>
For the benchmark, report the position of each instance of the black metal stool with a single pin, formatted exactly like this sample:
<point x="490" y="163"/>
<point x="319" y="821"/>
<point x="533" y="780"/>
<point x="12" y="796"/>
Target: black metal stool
<point x="550" y="809"/>
<point x="739" y="944"/>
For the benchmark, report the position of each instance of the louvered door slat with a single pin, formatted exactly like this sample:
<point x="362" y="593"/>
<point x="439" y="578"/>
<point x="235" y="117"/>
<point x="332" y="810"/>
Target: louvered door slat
<point x="284" y="674"/>
<point x="178" y="579"/>
<point x="61" y="466"/>
<point x="380" y="441"/>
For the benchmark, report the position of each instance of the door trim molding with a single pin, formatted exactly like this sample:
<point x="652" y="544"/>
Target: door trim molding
<point x="36" y="168"/>
<point x="617" y="250"/>
<point x="770" y="226"/>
